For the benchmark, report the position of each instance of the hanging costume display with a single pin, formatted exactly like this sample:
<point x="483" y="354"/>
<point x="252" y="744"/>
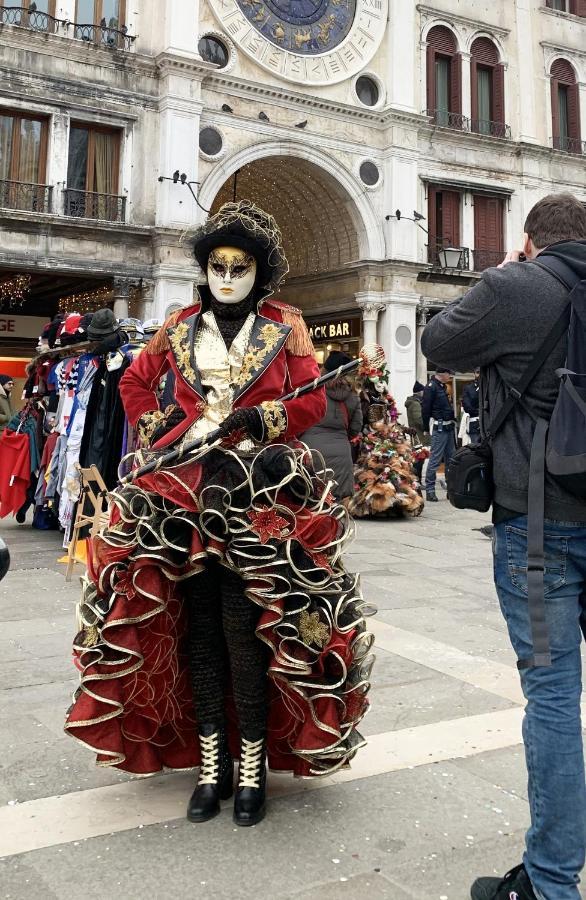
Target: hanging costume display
<point x="385" y="482"/>
<point x="217" y="619"/>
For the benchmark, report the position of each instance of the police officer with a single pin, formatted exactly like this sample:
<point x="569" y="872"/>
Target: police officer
<point x="470" y="405"/>
<point x="438" y="406"/>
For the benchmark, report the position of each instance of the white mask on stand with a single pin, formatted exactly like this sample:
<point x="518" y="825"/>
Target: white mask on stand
<point x="231" y="274"/>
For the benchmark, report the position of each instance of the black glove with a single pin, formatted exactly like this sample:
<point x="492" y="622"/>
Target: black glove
<point x="174" y="415"/>
<point x="247" y="419"/>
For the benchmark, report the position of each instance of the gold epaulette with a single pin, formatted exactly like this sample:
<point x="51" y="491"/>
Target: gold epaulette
<point x="299" y="342"/>
<point x="159" y="343"/>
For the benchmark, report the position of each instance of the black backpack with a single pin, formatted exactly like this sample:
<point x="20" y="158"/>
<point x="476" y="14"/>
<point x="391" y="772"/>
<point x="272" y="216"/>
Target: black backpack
<point x="558" y="445"/>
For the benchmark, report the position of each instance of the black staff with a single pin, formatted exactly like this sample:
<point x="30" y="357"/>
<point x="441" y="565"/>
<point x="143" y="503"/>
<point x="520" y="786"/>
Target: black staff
<point x="371" y="355"/>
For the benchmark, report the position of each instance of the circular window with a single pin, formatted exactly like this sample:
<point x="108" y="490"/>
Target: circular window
<point x="213" y="51"/>
<point x="210" y="141"/>
<point x="367" y="90"/>
<point x="369" y="173"/>
<point x="403" y="336"/>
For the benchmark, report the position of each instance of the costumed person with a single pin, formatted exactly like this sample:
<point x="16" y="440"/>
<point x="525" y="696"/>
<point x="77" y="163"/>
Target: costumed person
<point x="385" y="480"/>
<point x="217" y="618"/>
<point x="437" y="407"/>
<point x="342" y="422"/>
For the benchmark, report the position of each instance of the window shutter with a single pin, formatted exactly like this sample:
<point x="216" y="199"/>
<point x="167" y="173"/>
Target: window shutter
<point x="432" y="221"/>
<point x="456" y="84"/>
<point x="474" y="89"/>
<point x="578" y="7"/>
<point x="450" y="218"/>
<point x="431" y="101"/>
<point x="555" y="109"/>
<point x="498" y="94"/>
<point x="574" y="112"/>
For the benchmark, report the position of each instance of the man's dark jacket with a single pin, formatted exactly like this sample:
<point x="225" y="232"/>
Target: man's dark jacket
<point x="436" y="404"/>
<point x="471" y="399"/>
<point x="499" y="325"/>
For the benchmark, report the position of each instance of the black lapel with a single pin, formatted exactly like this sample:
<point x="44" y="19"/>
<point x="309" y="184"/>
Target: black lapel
<point x="181" y="338"/>
<point x="266" y="340"/>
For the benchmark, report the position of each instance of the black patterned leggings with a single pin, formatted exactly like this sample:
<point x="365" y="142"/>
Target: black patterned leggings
<point x="222" y="641"/>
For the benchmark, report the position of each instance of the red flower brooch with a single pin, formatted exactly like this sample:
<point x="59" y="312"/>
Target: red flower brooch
<point x="267" y="523"/>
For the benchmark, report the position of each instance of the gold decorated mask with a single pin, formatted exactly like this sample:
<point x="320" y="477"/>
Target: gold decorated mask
<point x="231" y="274"/>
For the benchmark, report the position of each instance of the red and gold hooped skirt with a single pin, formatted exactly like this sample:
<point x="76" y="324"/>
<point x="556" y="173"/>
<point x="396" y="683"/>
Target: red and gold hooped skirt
<point x="271" y="518"/>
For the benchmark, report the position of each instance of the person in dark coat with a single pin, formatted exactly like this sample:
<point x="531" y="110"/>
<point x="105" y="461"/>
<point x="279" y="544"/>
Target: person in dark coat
<point x="342" y="421"/>
<point x="470" y="405"/>
<point x="438" y="406"/>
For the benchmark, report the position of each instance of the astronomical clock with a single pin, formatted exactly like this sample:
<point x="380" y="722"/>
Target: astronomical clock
<point x="306" y="41"/>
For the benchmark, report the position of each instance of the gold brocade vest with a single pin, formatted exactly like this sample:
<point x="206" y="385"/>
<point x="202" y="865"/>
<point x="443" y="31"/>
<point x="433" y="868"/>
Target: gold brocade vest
<point x="219" y="369"/>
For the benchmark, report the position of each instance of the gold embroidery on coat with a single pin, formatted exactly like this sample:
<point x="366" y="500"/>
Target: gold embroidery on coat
<point x="179" y="339"/>
<point x="147" y="424"/>
<point x="273" y="413"/>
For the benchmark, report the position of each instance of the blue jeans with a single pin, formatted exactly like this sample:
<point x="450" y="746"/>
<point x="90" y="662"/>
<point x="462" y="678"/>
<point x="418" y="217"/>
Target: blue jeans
<point x="552" y="732"/>
<point x="443" y="447"/>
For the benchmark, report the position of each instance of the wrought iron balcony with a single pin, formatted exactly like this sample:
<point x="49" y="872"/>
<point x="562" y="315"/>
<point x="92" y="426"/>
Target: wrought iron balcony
<point x="485" y="259"/>
<point x="569" y="144"/>
<point x="32" y="18"/>
<point x="445" y="119"/>
<point x="491" y="129"/>
<point x="90" y="205"/>
<point x="103" y="34"/>
<point x="25" y="196"/>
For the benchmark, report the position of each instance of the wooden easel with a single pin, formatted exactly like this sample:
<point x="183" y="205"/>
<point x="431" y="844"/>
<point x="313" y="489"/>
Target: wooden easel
<point x="93" y="493"/>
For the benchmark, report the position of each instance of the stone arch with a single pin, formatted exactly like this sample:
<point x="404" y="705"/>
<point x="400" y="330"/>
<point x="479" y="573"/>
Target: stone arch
<point x="502" y="60"/>
<point x="327" y="201"/>
<point x="449" y="26"/>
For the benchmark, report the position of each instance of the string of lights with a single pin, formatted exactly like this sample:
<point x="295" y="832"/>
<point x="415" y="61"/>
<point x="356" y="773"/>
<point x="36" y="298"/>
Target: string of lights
<point x="13" y="290"/>
<point x="86" y="301"/>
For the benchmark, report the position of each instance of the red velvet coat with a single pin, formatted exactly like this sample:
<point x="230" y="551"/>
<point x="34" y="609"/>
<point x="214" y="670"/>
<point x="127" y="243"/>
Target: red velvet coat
<point x="279" y="371"/>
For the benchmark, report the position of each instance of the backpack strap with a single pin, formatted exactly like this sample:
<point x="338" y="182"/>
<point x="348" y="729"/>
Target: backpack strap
<point x="559" y="269"/>
<point x="515" y="394"/>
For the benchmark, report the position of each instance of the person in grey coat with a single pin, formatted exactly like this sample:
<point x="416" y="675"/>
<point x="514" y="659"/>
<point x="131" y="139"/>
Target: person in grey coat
<point x="342" y="421"/>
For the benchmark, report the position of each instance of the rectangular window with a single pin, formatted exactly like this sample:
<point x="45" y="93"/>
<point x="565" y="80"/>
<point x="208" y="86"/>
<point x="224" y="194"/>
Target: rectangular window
<point x="23" y="148"/>
<point x="92" y="173"/>
<point x="484" y="100"/>
<point x="96" y="12"/>
<point x="564" y="118"/>
<point x="442" y="90"/>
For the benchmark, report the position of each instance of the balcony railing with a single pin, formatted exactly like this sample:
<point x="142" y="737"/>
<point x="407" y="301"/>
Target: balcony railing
<point x="444" y="119"/>
<point x="433" y="255"/>
<point x="32" y="18"/>
<point x="569" y="144"/>
<point x="485" y="259"/>
<point x="89" y="205"/>
<point x="491" y="129"/>
<point x="28" y="197"/>
<point x="103" y="34"/>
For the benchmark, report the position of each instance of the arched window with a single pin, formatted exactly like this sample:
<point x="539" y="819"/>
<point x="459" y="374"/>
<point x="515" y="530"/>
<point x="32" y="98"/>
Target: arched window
<point x="487" y="84"/>
<point x="444" y="78"/>
<point x="565" y="107"/>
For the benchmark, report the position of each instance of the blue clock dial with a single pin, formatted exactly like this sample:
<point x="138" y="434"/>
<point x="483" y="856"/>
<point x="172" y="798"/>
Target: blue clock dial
<point x="301" y="26"/>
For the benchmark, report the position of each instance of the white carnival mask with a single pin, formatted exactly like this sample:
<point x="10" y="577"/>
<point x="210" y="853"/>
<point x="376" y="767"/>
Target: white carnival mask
<point x="231" y="274"/>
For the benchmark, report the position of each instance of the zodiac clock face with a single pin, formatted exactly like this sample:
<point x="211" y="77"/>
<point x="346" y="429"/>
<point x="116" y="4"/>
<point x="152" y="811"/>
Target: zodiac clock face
<point x="307" y="41"/>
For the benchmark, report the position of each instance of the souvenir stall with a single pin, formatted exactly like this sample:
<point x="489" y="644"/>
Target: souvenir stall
<point x="385" y="483"/>
<point x="72" y="416"/>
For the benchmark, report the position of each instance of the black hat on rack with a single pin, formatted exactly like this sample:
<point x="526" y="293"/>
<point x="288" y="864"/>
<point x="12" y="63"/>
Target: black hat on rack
<point x="104" y="324"/>
<point x="246" y="226"/>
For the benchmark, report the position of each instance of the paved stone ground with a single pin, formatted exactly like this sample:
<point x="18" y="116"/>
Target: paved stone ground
<point x="437" y="798"/>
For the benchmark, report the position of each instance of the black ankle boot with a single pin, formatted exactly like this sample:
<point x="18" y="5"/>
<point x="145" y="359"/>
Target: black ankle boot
<point x="249" y="802"/>
<point x="216" y="775"/>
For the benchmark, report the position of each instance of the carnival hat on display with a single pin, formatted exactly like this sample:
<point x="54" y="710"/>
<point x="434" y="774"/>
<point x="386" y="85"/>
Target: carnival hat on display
<point x="151" y="326"/>
<point x="133" y="328"/>
<point x="104" y="323"/>
<point x="335" y="360"/>
<point x="243" y="225"/>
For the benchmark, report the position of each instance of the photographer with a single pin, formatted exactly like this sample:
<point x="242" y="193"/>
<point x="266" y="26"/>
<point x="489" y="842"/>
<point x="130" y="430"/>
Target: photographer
<point x="499" y="325"/>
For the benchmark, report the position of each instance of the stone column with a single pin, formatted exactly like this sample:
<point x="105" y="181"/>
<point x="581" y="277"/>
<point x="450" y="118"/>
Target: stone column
<point x="371" y="304"/>
<point x="121" y="293"/>
<point x="466" y="95"/>
<point x="420" y="360"/>
<point x="525" y="83"/>
<point x="467" y="206"/>
<point x="398" y="335"/>
<point x="147" y="299"/>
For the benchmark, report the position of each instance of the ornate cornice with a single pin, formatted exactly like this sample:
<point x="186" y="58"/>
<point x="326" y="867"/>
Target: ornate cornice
<point x="448" y="15"/>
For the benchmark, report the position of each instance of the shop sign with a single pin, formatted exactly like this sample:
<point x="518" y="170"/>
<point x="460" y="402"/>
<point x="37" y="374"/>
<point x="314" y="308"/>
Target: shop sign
<point x="334" y="329"/>
<point x="21" y="326"/>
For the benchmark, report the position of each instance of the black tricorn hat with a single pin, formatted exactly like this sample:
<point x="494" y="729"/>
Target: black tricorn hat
<point x="246" y="226"/>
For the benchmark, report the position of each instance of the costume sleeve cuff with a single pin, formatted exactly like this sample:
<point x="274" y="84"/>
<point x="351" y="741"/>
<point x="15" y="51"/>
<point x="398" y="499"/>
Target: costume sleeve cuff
<point x="148" y="423"/>
<point x="274" y="416"/>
